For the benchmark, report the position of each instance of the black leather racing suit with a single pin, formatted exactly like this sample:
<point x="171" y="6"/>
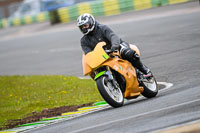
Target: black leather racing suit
<point x="103" y="33"/>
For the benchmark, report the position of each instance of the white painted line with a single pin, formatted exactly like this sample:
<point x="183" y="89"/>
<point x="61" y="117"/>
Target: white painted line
<point x="139" y="115"/>
<point x="168" y="85"/>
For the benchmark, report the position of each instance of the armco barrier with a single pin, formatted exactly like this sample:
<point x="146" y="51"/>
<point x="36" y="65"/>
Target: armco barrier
<point x="41" y="17"/>
<point x="142" y="4"/>
<point x="110" y="7"/>
<point x="97" y="8"/>
<point x="3" y="23"/>
<point x="125" y="5"/>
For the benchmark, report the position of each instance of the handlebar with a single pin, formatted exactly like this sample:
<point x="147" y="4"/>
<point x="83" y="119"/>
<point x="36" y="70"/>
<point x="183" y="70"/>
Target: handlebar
<point x="110" y="51"/>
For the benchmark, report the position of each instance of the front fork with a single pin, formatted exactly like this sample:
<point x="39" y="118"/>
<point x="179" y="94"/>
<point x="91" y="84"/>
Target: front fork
<point x="108" y="73"/>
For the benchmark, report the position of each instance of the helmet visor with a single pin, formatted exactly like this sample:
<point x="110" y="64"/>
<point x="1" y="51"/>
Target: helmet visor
<point x="84" y="28"/>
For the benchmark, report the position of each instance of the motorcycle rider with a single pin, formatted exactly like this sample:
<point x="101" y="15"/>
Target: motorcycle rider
<point x="95" y="33"/>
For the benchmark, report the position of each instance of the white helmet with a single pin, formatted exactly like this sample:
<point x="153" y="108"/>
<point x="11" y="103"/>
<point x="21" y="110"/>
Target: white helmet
<point x="86" y="19"/>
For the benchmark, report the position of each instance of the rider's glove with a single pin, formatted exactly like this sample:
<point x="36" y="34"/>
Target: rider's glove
<point x="115" y="48"/>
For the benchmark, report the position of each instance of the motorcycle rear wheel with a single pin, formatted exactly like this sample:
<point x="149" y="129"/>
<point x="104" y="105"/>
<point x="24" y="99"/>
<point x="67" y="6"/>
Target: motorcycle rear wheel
<point x="150" y="88"/>
<point x="112" y="96"/>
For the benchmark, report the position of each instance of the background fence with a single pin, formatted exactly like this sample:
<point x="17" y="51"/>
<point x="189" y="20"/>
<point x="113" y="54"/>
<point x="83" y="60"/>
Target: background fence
<point x="110" y="7"/>
<point x="97" y="8"/>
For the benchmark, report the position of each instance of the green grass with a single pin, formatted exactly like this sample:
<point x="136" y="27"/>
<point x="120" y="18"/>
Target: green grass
<point x="21" y="95"/>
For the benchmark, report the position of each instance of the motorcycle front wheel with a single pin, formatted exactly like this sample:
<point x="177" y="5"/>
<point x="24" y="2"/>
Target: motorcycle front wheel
<point x="111" y="95"/>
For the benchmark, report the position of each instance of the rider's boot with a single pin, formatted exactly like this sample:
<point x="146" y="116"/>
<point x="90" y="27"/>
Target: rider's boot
<point x="142" y="68"/>
<point x="130" y="55"/>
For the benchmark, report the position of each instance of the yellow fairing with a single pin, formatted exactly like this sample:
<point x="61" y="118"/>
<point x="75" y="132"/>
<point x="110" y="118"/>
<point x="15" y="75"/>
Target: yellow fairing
<point x="126" y="69"/>
<point x="98" y="57"/>
<point x="94" y="58"/>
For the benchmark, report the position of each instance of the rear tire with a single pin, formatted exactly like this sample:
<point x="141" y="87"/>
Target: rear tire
<point x="150" y="88"/>
<point x="112" y="96"/>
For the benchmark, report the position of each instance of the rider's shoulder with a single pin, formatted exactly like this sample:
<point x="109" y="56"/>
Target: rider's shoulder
<point x="83" y="38"/>
<point x="102" y="26"/>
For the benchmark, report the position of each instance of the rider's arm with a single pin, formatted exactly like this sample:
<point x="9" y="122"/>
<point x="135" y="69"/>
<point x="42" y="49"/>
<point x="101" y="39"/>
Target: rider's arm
<point x="86" y="49"/>
<point x="110" y="35"/>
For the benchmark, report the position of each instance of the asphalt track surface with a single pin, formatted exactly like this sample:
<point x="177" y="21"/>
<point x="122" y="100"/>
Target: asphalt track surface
<point x="169" y="39"/>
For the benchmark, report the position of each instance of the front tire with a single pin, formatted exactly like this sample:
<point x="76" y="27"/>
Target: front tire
<point x="112" y="96"/>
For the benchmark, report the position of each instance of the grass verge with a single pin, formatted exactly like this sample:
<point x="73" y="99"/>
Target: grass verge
<point x="22" y="95"/>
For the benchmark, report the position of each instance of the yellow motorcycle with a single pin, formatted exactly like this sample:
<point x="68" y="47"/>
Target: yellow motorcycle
<point x="116" y="78"/>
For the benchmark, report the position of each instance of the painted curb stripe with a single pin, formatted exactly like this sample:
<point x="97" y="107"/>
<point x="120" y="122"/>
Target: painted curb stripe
<point x="69" y="115"/>
<point x="31" y="124"/>
<point x="101" y="103"/>
<point x="87" y="108"/>
<point x="54" y="118"/>
<point x="73" y="113"/>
